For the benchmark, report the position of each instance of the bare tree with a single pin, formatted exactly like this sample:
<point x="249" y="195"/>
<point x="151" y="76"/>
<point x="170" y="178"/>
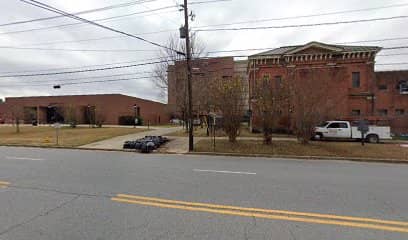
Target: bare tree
<point x="230" y="102"/>
<point x="100" y="116"/>
<point x="313" y="99"/>
<point x="175" y="64"/>
<point x="160" y="71"/>
<point x="271" y="97"/>
<point x="17" y="115"/>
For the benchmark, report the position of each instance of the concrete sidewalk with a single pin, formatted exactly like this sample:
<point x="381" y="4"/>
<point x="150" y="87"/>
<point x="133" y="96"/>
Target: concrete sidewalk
<point x="116" y="143"/>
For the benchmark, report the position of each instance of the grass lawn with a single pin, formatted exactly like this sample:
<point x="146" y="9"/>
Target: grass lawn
<point x="333" y="149"/>
<point x="202" y="132"/>
<point x="68" y="137"/>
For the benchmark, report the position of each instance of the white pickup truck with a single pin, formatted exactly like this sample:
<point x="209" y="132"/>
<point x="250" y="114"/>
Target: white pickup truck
<point x="345" y="130"/>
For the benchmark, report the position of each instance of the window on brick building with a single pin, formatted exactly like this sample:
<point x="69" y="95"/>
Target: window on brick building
<point x="278" y="81"/>
<point x="382" y="87"/>
<point x="399" y="112"/>
<point x="382" y="112"/>
<point x="356" y="79"/>
<point x="355" y="112"/>
<point x="266" y="79"/>
<point x="403" y="87"/>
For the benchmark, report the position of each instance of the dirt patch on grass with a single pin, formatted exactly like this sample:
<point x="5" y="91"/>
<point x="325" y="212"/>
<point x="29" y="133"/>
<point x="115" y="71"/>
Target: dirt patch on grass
<point x="68" y="137"/>
<point x="330" y="149"/>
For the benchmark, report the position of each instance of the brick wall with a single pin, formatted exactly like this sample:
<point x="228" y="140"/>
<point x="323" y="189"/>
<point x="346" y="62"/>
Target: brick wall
<point x="204" y="70"/>
<point x="111" y="106"/>
<point x="388" y="97"/>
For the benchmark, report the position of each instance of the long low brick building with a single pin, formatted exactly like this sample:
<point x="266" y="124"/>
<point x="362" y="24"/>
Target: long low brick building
<point x="108" y="108"/>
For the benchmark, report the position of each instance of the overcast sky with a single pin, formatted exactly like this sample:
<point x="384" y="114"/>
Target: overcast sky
<point x="167" y="22"/>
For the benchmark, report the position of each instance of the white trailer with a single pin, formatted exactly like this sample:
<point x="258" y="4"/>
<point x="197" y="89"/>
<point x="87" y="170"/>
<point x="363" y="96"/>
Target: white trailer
<point x="345" y="130"/>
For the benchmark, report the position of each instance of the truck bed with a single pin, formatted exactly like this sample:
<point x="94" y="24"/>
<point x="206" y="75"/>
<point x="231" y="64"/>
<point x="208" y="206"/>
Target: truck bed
<point x="382" y="132"/>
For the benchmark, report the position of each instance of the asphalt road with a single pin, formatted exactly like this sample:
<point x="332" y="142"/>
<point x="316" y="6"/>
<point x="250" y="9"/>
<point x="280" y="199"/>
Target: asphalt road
<point x="78" y="194"/>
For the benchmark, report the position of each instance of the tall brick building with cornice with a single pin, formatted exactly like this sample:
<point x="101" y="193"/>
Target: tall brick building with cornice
<point x="359" y="91"/>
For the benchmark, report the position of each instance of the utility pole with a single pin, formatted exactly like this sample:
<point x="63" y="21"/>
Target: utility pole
<point x="189" y="76"/>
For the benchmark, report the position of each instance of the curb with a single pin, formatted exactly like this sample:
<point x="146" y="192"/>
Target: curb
<point x="64" y="147"/>
<point x="353" y="159"/>
<point x="85" y="149"/>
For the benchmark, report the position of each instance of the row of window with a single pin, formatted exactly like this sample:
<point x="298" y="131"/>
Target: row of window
<point x="402" y="85"/>
<point x="278" y="79"/>
<point x="380" y="112"/>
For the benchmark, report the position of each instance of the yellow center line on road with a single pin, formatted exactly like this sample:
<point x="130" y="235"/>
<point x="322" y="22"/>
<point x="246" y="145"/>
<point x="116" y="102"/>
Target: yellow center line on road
<point x="305" y="214"/>
<point x="267" y="213"/>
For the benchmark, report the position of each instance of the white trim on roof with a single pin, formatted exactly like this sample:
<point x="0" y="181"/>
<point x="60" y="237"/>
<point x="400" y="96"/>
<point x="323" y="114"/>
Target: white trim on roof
<point x="314" y="44"/>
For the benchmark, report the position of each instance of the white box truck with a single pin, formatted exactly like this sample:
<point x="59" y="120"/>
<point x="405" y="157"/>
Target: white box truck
<point x="345" y="130"/>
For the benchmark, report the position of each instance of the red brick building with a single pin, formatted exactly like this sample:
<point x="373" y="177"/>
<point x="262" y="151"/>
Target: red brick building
<point x="204" y="70"/>
<point x="355" y="88"/>
<point x="86" y="108"/>
<point x="391" y="98"/>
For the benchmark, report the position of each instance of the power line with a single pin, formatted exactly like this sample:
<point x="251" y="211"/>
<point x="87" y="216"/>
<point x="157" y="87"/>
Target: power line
<point x="52" y="9"/>
<point x="80" y="23"/>
<point x="115" y="37"/>
<point x="157" y="14"/>
<point x="104" y="81"/>
<point x="71" y="24"/>
<point x="120" y="16"/>
<point x="74" y="79"/>
<point x="142" y="50"/>
<point x="263" y="49"/>
<point x="79" y="71"/>
<point x="226" y="24"/>
<point x="211" y="1"/>
<point x="394" y="48"/>
<point x="96" y="81"/>
<point x="301" y="25"/>
<point x="83" y="78"/>
<point x="262" y="20"/>
<point x="77" y="50"/>
<point x="74" y="41"/>
<point x="393" y="54"/>
<point x="397" y="63"/>
<point x="84" y="66"/>
<point x="240" y="50"/>
<point x="271" y="19"/>
<point x="123" y="79"/>
<point x="307" y="16"/>
<point x="375" y="40"/>
<point x="79" y="13"/>
<point x="101" y="69"/>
